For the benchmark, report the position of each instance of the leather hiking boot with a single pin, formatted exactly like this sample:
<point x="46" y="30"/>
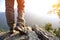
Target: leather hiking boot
<point x="12" y="30"/>
<point x="21" y="31"/>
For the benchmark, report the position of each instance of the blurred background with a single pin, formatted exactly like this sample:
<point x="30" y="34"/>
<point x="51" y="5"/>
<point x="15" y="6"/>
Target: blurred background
<point x="36" y="12"/>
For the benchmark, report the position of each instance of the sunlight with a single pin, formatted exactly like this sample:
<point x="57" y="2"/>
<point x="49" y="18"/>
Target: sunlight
<point x="56" y="8"/>
<point x="39" y="7"/>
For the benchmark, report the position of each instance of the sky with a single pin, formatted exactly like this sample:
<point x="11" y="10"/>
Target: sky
<point x="2" y="4"/>
<point x="39" y="8"/>
<point x="32" y="5"/>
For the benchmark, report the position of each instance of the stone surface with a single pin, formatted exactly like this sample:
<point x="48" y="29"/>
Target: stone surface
<point x="43" y="34"/>
<point x="36" y="34"/>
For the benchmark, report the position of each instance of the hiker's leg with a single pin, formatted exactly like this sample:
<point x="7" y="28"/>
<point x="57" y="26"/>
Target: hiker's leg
<point x="20" y="18"/>
<point x="9" y="4"/>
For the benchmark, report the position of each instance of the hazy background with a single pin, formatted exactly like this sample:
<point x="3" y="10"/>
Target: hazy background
<point x="36" y="12"/>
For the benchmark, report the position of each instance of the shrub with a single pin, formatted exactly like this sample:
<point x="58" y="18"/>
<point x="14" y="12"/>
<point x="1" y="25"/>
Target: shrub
<point x="48" y="27"/>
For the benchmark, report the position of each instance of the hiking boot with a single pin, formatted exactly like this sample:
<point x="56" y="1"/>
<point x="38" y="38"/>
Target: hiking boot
<point x="21" y="31"/>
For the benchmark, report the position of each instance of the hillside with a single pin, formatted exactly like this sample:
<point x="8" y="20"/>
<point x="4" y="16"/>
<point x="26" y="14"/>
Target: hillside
<point x="3" y="24"/>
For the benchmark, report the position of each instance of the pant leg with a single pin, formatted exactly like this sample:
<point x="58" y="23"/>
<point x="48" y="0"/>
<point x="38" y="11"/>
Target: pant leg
<point x="9" y="4"/>
<point x="20" y="18"/>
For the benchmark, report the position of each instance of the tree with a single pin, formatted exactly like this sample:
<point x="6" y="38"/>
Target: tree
<point x="56" y="8"/>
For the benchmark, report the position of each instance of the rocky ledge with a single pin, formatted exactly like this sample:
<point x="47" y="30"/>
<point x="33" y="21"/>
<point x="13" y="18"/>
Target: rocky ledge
<point x="34" y="33"/>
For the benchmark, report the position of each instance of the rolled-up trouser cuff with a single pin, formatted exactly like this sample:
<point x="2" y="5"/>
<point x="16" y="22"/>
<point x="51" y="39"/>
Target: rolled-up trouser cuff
<point x="20" y="22"/>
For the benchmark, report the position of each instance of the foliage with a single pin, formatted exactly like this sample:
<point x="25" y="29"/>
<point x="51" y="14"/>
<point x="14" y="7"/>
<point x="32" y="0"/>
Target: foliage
<point x="55" y="9"/>
<point x="57" y="32"/>
<point x="50" y="29"/>
<point x="2" y="30"/>
<point x="48" y="26"/>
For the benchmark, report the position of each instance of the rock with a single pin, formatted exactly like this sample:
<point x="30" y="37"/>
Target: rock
<point x="32" y="35"/>
<point x="17" y="36"/>
<point x="43" y="34"/>
<point x="35" y="33"/>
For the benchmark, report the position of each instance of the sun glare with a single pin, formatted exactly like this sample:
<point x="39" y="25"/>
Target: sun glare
<point x="39" y="7"/>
